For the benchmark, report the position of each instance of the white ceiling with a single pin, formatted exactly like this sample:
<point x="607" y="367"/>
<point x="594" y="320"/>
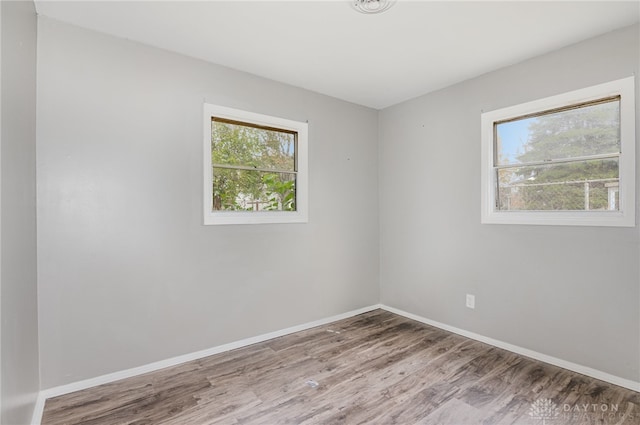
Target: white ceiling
<point x="374" y="60"/>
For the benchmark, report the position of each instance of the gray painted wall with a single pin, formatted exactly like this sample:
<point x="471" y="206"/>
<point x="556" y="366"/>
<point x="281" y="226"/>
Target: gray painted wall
<point x="127" y="273"/>
<point x="568" y="292"/>
<point x="19" y="331"/>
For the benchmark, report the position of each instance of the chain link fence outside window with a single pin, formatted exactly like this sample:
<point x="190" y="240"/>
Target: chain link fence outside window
<point x="585" y="195"/>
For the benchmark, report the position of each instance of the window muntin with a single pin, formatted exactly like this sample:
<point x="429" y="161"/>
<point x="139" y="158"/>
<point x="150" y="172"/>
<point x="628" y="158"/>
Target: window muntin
<point x="255" y="168"/>
<point x="564" y="160"/>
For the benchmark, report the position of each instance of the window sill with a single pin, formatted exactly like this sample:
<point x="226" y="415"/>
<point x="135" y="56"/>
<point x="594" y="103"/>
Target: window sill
<point x="253" y="217"/>
<point x="560" y="218"/>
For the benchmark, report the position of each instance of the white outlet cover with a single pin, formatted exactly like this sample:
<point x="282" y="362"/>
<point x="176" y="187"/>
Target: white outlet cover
<point x="471" y="301"/>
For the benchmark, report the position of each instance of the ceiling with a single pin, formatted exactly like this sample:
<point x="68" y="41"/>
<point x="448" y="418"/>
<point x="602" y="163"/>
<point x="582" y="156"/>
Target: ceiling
<point x="374" y="60"/>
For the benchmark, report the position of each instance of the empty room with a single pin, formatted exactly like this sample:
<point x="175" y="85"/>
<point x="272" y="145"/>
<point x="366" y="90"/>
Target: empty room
<point x="319" y="212"/>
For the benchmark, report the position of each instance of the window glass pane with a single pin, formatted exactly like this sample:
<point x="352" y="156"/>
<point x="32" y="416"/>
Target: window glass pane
<point x="571" y="186"/>
<point x="587" y="130"/>
<point x="247" y="190"/>
<point x="238" y="144"/>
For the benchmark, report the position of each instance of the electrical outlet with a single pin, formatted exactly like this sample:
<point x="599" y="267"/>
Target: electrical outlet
<point x="471" y="301"/>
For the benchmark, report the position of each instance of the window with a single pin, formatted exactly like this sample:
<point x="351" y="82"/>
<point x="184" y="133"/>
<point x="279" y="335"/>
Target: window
<point x="563" y="160"/>
<point x="255" y="168"/>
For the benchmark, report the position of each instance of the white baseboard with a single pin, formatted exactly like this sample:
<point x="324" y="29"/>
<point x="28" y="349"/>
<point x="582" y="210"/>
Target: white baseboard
<point x="174" y="361"/>
<point x="38" y="410"/>
<point x="584" y="370"/>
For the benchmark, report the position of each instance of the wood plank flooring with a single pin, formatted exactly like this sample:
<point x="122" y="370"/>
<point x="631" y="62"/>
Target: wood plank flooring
<point x="375" y="368"/>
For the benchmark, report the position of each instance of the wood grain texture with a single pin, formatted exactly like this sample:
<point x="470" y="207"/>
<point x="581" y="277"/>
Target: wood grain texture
<point x="375" y="368"/>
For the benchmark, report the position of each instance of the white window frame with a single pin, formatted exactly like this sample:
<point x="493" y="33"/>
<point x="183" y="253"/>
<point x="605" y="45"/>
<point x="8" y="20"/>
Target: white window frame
<point x="256" y="217"/>
<point x="624" y="217"/>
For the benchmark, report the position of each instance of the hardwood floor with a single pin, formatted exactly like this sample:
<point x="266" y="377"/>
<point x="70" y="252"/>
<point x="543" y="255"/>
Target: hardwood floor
<point x="375" y="368"/>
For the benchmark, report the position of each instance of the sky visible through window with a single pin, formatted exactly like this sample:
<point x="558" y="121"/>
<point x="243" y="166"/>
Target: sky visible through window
<point x="513" y="137"/>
